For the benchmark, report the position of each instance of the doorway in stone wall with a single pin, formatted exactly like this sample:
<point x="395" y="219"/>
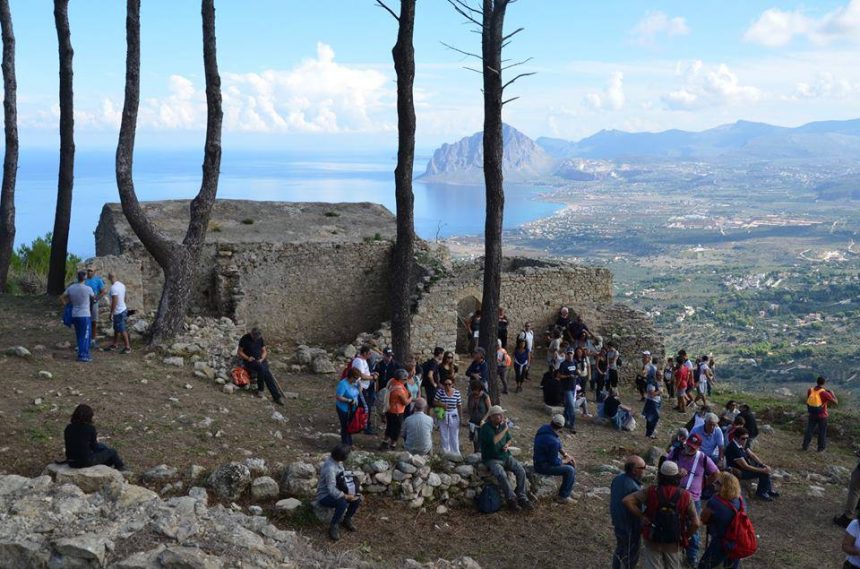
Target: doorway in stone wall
<point x="465" y="308"/>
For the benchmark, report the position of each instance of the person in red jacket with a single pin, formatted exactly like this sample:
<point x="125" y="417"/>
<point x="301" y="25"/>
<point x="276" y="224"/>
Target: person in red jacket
<point x="817" y="399"/>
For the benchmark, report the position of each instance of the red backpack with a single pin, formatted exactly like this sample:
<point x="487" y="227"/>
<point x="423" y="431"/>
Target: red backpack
<point x="739" y="541"/>
<point x="345" y="373"/>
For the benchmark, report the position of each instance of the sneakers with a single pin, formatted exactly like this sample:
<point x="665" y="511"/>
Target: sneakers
<point x="109" y="348"/>
<point x="280" y="401"/>
<point x="764" y="497"/>
<point x="773" y="494"/>
<point x="348" y="525"/>
<point x="334" y="533"/>
<point x="525" y="504"/>
<point x="564" y="500"/>
<point x="842" y="521"/>
<point x="125" y="351"/>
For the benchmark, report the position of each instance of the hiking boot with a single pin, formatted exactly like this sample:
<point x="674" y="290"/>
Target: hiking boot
<point x="280" y="401"/>
<point x="842" y="521"/>
<point x="526" y="504"/>
<point x="764" y="497"/>
<point x="333" y="532"/>
<point x="564" y="500"/>
<point x="513" y="505"/>
<point x="348" y="525"/>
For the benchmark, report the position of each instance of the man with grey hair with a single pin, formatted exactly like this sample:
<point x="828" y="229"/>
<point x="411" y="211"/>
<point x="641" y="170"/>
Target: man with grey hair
<point x="80" y="296"/>
<point x="418" y="429"/>
<point x="713" y="441"/>
<point x="255" y="357"/>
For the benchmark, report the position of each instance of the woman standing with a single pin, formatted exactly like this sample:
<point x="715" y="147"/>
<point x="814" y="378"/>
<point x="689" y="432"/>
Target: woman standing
<point x="583" y="368"/>
<point x="717" y="515"/>
<point x="448" y="368"/>
<point x="651" y="411"/>
<point x="82" y="446"/>
<point x="448" y="399"/>
<point x="479" y="407"/>
<point x="521" y="364"/>
<point x="346" y="399"/>
<point x="413" y="384"/>
<point x="602" y="368"/>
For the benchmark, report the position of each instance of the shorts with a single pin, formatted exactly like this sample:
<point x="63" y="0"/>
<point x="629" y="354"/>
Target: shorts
<point x="119" y="321"/>
<point x="703" y="387"/>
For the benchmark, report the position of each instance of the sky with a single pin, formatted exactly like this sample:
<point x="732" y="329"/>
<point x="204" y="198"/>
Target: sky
<point x="317" y="74"/>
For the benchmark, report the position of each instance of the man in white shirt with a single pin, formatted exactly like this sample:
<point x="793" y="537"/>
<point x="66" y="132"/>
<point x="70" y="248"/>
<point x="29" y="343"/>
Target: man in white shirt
<point x="528" y="335"/>
<point x="118" y="314"/>
<point x="80" y="296"/>
<point x="367" y="383"/>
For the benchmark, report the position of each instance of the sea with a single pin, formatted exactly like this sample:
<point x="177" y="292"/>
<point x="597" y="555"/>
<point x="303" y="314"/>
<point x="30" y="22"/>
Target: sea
<point x="441" y="210"/>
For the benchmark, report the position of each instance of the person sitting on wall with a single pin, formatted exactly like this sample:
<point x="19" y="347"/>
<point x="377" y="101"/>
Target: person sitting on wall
<point x="335" y="489"/>
<point x="254" y="357"/>
<point x="82" y="446"/>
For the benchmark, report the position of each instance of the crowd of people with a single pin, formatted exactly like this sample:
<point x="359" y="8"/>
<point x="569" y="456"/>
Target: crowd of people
<point x="82" y="300"/>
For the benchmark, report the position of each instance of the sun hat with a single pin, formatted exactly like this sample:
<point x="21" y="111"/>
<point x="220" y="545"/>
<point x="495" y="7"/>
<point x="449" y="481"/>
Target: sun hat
<point x="496" y="410"/>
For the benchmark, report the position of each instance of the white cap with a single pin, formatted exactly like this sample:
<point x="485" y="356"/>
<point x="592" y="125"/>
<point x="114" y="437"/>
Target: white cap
<point x="558" y="420"/>
<point x="646" y="353"/>
<point x="669" y="468"/>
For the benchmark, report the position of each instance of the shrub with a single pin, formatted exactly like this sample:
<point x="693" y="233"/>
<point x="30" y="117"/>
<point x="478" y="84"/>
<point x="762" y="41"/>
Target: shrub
<point x="247" y="221"/>
<point x="28" y="270"/>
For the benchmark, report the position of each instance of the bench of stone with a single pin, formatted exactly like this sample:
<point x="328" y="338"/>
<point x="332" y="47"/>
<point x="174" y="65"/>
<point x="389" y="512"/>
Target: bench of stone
<point x="91" y="479"/>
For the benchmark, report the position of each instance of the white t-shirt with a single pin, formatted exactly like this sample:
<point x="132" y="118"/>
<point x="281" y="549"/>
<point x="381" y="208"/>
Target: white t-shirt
<point x="703" y="372"/>
<point x="361" y="365"/>
<point x="80" y="295"/>
<point x="853" y="530"/>
<point x="117" y="289"/>
<point x="529" y="337"/>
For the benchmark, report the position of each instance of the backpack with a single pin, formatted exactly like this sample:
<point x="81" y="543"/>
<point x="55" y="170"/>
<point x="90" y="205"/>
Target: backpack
<point x="814" y="404"/>
<point x="358" y="418"/>
<point x="739" y="541"/>
<point x="240" y="376"/>
<point x="347" y="483"/>
<point x="664" y="517"/>
<point x="489" y="501"/>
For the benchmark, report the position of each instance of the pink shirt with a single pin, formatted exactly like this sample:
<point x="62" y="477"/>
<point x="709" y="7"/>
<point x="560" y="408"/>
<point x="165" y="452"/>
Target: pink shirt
<point x="705" y="467"/>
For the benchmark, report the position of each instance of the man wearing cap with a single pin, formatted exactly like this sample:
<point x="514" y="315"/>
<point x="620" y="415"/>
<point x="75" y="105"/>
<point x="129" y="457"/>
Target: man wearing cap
<point x="697" y="472"/>
<point x="255" y="357"/>
<point x="713" y="441"/>
<point x="628" y="528"/>
<point x="397" y="400"/>
<point x="95" y="282"/>
<point x="478" y="368"/>
<point x="80" y="296"/>
<point x="664" y="538"/>
<point x="551" y="460"/>
<point x="495" y="441"/>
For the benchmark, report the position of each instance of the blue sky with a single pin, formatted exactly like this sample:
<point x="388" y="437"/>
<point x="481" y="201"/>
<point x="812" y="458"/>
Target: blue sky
<point x="317" y="73"/>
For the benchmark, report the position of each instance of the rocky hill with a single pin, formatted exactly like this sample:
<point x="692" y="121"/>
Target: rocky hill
<point x="463" y="162"/>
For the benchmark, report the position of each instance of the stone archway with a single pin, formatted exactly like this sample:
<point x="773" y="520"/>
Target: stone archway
<point x="465" y="307"/>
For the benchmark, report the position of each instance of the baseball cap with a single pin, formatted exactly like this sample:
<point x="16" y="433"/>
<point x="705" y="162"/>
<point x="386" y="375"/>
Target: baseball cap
<point x="646" y="353"/>
<point x="694" y="441"/>
<point x="496" y="410"/>
<point x="558" y="420"/>
<point x="387" y="352"/>
<point x="570" y="350"/>
<point x="669" y="468"/>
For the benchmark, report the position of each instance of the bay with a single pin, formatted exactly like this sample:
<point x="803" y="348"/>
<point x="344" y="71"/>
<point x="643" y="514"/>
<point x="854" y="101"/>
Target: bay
<point x="441" y="210"/>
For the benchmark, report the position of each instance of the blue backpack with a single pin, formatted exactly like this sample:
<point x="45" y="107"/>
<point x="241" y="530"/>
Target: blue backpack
<point x="489" y="500"/>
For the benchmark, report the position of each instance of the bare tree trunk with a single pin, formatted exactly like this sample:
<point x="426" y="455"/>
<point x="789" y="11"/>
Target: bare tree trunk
<point x="177" y="260"/>
<point x="491" y="52"/>
<point x="404" y="248"/>
<point x="10" y="160"/>
<point x="66" y="177"/>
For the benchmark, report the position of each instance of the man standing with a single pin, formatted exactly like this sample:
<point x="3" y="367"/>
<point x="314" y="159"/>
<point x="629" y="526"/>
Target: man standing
<point x="503" y="328"/>
<point x="817" y="399"/>
<point x="495" y="452"/>
<point x="367" y="384"/>
<point x="118" y="314"/>
<point x="668" y="520"/>
<point x="697" y="472"/>
<point x="430" y="374"/>
<point x="713" y="441"/>
<point x="96" y="283"/>
<point x="528" y="335"/>
<point x="567" y="380"/>
<point x="80" y="296"/>
<point x="254" y="355"/>
<point x="627" y="526"/>
<point x="550" y="459"/>
<point x="851" y="501"/>
<point x="612" y="357"/>
<point x="478" y="368"/>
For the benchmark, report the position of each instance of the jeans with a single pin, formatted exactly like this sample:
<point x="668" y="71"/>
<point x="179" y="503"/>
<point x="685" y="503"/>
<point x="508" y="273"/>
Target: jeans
<point x="627" y="544"/>
<point x="345" y="438"/>
<point x="499" y="467"/>
<point x="613" y="377"/>
<point x="103" y="454"/>
<point x="83" y="333"/>
<point x="341" y="507"/>
<point x="264" y="377"/>
<point x="764" y="486"/>
<point x="567" y="473"/>
<point x="715" y="558"/>
<point x="652" y="416"/>
<point x="816" y="422"/>
<point x="695" y="539"/>
<point x="369" y="396"/>
<point x="570" y="409"/>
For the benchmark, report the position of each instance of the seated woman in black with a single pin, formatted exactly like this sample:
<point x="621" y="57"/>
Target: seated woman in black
<point x="82" y="447"/>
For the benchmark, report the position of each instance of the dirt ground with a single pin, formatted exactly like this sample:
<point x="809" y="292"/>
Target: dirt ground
<point x="156" y="414"/>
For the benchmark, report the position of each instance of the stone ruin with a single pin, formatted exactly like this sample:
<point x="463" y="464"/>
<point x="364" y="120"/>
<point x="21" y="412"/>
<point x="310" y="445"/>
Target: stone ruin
<point x="318" y="274"/>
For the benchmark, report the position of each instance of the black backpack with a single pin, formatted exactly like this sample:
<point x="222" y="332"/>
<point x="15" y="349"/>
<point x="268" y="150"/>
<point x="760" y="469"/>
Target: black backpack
<point x="489" y="501"/>
<point x="347" y="483"/>
<point x="666" y="523"/>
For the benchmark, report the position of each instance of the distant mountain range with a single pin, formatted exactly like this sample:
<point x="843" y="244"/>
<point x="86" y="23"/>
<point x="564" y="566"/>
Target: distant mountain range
<point x="526" y="159"/>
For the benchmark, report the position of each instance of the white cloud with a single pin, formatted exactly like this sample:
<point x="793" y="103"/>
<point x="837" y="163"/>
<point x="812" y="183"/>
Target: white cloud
<point x="611" y="98"/>
<point x="657" y="23"/>
<point x="775" y="27"/>
<point x="826" y="86"/>
<point x="705" y="86"/>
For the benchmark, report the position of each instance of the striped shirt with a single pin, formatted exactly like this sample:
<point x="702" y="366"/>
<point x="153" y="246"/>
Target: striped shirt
<point x="451" y="402"/>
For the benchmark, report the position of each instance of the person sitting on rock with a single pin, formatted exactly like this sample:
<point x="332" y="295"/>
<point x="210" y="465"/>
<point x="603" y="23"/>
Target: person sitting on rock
<point x="616" y="412"/>
<point x="82" y="446"/>
<point x="713" y="440"/>
<point x="333" y="491"/>
<point x="254" y="356"/>
<point x="550" y="459"/>
<point x="747" y="465"/>
<point x="495" y="440"/>
<point x="418" y="429"/>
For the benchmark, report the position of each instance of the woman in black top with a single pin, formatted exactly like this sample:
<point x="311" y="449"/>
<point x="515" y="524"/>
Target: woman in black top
<point x="82" y="446"/>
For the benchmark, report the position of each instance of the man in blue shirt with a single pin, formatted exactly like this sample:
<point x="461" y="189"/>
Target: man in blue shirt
<point x="713" y="441"/>
<point x="478" y="368"/>
<point x="627" y="527"/>
<point x="96" y="283"/>
<point x="551" y="460"/>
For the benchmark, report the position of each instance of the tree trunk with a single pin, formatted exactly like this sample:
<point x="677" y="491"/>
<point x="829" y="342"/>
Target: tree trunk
<point x="10" y="160"/>
<point x="404" y="248"/>
<point x="491" y="44"/>
<point x="177" y="260"/>
<point x="66" y="177"/>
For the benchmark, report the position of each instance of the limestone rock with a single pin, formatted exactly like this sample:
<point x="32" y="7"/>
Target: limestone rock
<point x="18" y="352"/>
<point x="301" y="470"/>
<point x="255" y="510"/>
<point x="44" y="374"/>
<point x="187" y="558"/>
<point x="229" y="389"/>
<point x="322" y="364"/>
<point x="174" y="361"/>
<point x="132" y="495"/>
<point x="160" y="473"/>
<point x="83" y="547"/>
<point x="288" y="505"/>
<point x="652" y="456"/>
<point x="767" y="429"/>
<point x="257" y="466"/>
<point x="92" y="479"/>
<point x="264" y="488"/>
<point x="407" y="468"/>
<point x="230" y="481"/>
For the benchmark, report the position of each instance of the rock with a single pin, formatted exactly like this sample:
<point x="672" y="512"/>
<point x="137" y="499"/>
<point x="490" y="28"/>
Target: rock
<point x="174" y="361"/>
<point x="440" y="509"/>
<point x="88" y="547"/>
<point x="291" y="395"/>
<point x="406" y="468"/>
<point x="288" y="505"/>
<point x="187" y="558"/>
<point x="195" y="471"/>
<point x="18" y="352"/>
<point x="783" y="392"/>
<point x="838" y="474"/>
<point x="465" y="470"/>
<point x="255" y="510"/>
<point x="278" y="417"/>
<point x="199" y="494"/>
<point x="37" y="401"/>
<point x="46" y="375"/>
<point x="766" y="429"/>
<point x="419" y="460"/>
<point x="598" y="492"/>
<point x="383" y="478"/>
<point x="815" y="491"/>
<point x="551" y="410"/>
<point x="652" y="456"/>
<point x="141" y="560"/>
<point x="379" y="466"/>
<point x="348" y="351"/>
<point x="301" y="470"/>
<point x="65" y="345"/>
<point x="230" y="481"/>
<point x="264" y="488"/>
<point x="473" y="459"/>
<point x="322" y="364"/>
<point x="229" y="388"/>
<point x="160" y="473"/>
<point x="92" y="479"/>
<point x="204" y="368"/>
<point x="257" y="466"/>
<point x="132" y="496"/>
<point x="323" y="514"/>
<point x="140" y="327"/>
<point x="609" y="469"/>
<point x="433" y="480"/>
<point x="416" y="502"/>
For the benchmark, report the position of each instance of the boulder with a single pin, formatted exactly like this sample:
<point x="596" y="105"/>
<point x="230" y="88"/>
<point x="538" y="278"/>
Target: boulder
<point x="257" y="466"/>
<point x="264" y="488"/>
<point x="174" y="361"/>
<point x="288" y="505"/>
<point x="92" y="479"/>
<point x="187" y="558"/>
<point x="160" y="473"/>
<point x="132" y="496"/>
<point x="230" y="481"/>
<point x="652" y="456"/>
<point x="406" y="467"/>
<point x="86" y="547"/>
<point x="322" y="364"/>
<point x="301" y="470"/>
